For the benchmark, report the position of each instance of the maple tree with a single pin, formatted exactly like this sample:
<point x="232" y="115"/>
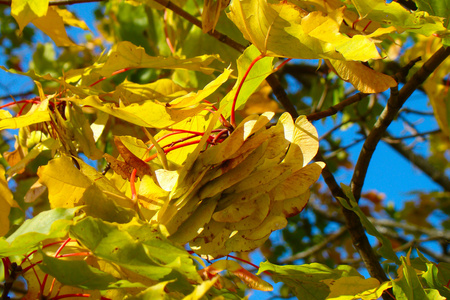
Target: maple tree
<point x="178" y="136"/>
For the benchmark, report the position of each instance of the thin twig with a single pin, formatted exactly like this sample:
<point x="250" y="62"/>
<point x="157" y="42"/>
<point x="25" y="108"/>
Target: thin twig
<point x="317" y="248"/>
<point x="336" y="108"/>
<point x="395" y="102"/>
<point x="418" y="134"/>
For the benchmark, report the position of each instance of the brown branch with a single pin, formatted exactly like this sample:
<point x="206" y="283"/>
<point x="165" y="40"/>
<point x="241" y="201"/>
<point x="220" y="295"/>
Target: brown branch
<point x="422" y="163"/>
<point x="336" y="108"/>
<point x="58" y="2"/>
<point x="395" y="102"/>
<point x="191" y="19"/>
<point x="356" y="230"/>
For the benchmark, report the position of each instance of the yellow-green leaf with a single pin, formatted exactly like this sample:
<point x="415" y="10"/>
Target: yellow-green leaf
<point x="278" y="30"/>
<point x="363" y="78"/>
<point x="25" y="11"/>
<point x="38" y="114"/>
<point x="66" y="185"/>
<point x="70" y="19"/>
<point x="52" y="25"/>
<point x="126" y="55"/>
<point x="146" y="113"/>
<point x="345" y="288"/>
<point x="6" y="202"/>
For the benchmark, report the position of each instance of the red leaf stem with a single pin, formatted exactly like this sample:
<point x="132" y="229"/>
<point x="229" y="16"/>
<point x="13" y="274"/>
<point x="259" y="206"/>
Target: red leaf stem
<point x="233" y="107"/>
<point x="166" y="33"/>
<point x="249" y="263"/>
<point x="113" y="73"/>
<point x="34" y="101"/>
<point x="71" y="295"/>
<point x="282" y="64"/>
<point x="132" y="185"/>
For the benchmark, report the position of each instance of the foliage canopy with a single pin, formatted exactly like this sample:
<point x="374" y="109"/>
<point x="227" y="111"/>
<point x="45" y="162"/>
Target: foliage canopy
<point x="185" y="131"/>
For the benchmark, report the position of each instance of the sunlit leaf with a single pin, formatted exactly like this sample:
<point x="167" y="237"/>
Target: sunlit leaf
<point x="24" y="11"/>
<point x="70" y="19"/>
<point x="394" y="14"/>
<point x="437" y="8"/>
<point x="211" y="12"/>
<point x="52" y="25"/>
<point x="6" y="202"/>
<point x="38" y="114"/>
<point x="136" y="246"/>
<point x="346" y="287"/>
<point x="126" y="55"/>
<point x="277" y="30"/>
<point x="258" y="73"/>
<point x="46" y="225"/>
<point x="79" y="274"/>
<point x="308" y="281"/>
<point x="363" y="78"/>
<point x="408" y="285"/>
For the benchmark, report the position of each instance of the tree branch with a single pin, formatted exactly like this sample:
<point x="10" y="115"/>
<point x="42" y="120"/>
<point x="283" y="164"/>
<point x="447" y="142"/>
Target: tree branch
<point x="422" y="163"/>
<point x="191" y="19"/>
<point x="356" y="229"/>
<point x="336" y="108"/>
<point x="395" y="102"/>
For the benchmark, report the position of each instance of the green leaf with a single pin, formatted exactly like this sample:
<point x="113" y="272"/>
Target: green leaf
<point x="307" y="281"/>
<point x="258" y="73"/>
<point x="437" y="8"/>
<point x="49" y="224"/>
<point x="154" y="292"/>
<point x="395" y="14"/>
<point x="6" y="202"/>
<point x="408" y="286"/>
<point x="386" y="248"/>
<point x="436" y="280"/>
<point x="136" y="246"/>
<point x="69" y="187"/>
<point x="78" y="273"/>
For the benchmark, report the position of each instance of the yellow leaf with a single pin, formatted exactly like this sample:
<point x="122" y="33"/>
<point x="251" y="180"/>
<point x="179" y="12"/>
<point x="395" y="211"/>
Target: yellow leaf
<point x="126" y="55"/>
<point x="347" y="287"/>
<point x="66" y="185"/>
<point x="6" y="202"/>
<point x="299" y="182"/>
<point x="211" y="12"/>
<point x="52" y="25"/>
<point x="25" y="11"/>
<point x="279" y="30"/>
<point x="146" y="113"/>
<point x="326" y="28"/>
<point x="70" y="19"/>
<point x="38" y="113"/>
<point x="364" y="79"/>
<point x="260" y="102"/>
